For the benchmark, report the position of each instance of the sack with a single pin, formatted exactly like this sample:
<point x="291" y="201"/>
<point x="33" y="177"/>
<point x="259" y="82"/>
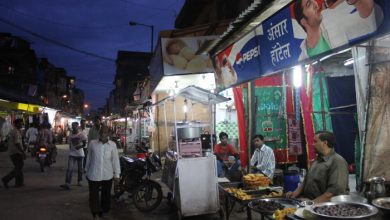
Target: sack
<point x="3" y="146"/>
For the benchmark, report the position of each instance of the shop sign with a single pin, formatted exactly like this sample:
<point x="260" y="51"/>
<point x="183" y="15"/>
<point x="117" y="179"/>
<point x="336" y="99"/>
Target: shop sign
<point x="238" y="63"/>
<point x="303" y="30"/>
<point x="184" y="55"/>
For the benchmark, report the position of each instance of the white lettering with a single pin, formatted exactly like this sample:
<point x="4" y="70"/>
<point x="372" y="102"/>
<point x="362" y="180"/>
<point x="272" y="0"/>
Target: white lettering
<point x="254" y="52"/>
<point x="280" y="52"/>
<point x="277" y="30"/>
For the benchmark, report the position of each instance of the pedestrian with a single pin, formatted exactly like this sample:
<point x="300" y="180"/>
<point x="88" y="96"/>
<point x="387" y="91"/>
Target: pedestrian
<point x="93" y="133"/>
<point x="17" y="154"/>
<point x="101" y="169"/>
<point x="76" y="141"/>
<point x="85" y="131"/>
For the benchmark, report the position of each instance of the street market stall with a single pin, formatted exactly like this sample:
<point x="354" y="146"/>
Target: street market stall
<point x="186" y="169"/>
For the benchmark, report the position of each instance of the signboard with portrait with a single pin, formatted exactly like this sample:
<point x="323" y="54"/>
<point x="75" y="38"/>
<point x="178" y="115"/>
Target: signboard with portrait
<point x="184" y="55"/>
<point x="303" y="30"/>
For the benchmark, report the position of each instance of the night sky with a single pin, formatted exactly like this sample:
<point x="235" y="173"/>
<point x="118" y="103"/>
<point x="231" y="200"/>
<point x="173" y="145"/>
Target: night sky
<point x="84" y="36"/>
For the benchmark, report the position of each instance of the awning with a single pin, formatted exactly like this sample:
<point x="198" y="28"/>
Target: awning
<point x="196" y="94"/>
<point x="8" y="105"/>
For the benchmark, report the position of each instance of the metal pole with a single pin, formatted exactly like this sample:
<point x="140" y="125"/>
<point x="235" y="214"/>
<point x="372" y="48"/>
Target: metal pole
<point x="125" y="150"/>
<point x="250" y="122"/>
<point x="177" y="138"/>
<point x="166" y="126"/>
<point x="151" y="40"/>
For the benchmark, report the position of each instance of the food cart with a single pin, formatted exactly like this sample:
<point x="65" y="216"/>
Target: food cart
<point x="191" y="176"/>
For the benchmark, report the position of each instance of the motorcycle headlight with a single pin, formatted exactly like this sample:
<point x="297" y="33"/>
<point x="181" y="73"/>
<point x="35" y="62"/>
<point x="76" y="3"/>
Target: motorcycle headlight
<point x="42" y="149"/>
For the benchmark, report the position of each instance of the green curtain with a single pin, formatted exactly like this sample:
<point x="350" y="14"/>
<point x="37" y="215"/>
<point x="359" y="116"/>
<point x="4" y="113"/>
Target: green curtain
<point x="321" y="116"/>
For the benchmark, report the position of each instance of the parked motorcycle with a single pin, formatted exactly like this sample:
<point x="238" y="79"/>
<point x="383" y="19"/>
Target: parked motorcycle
<point x="135" y="179"/>
<point x="43" y="157"/>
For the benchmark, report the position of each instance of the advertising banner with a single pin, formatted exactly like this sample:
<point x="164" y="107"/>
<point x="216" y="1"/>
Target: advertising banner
<point x="238" y="63"/>
<point x="303" y="30"/>
<point x="184" y="55"/>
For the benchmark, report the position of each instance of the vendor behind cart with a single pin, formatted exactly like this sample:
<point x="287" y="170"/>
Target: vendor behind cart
<point x="328" y="176"/>
<point x="263" y="159"/>
<point x="227" y="157"/>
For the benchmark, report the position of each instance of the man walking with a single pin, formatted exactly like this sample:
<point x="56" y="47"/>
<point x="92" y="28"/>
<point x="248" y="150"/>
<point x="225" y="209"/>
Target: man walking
<point x="76" y="154"/>
<point x="101" y="168"/>
<point x="85" y="132"/>
<point x="17" y="154"/>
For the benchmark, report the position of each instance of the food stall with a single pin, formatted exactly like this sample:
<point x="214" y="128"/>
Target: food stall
<point x="186" y="169"/>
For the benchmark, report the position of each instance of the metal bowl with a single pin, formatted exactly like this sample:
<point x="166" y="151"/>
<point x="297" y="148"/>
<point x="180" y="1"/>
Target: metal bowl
<point x="286" y="203"/>
<point x="371" y="210"/>
<point x="348" y="198"/>
<point x="379" y="203"/>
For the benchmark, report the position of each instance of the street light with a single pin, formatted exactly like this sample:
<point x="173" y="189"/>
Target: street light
<point x="133" y="23"/>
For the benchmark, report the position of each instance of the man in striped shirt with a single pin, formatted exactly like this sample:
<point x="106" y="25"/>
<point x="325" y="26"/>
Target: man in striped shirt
<point x="263" y="159"/>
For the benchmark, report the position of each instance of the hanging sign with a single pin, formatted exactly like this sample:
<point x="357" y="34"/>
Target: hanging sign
<point x="303" y="30"/>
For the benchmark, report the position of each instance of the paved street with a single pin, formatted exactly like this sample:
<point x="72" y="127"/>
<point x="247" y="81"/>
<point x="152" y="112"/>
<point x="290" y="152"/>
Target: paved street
<point x="42" y="198"/>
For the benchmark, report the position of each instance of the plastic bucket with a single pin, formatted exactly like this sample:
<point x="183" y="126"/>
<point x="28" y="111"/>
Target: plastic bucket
<point x="290" y="180"/>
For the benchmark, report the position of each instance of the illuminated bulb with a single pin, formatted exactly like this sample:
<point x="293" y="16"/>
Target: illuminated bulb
<point x="297" y="76"/>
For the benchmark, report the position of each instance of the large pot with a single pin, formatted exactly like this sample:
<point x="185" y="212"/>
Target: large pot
<point x="189" y="132"/>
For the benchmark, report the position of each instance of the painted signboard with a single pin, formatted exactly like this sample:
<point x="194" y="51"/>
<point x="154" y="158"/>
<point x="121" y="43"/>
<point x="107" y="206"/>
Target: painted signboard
<point x="303" y="30"/>
<point x="184" y="55"/>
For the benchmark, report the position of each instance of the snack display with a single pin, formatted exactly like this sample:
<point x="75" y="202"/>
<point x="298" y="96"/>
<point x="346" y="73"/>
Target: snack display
<point x="254" y="181"/>
<point x="281" y="214"/>
<point x="239" y="193"/>
<point x="343" y="210"/>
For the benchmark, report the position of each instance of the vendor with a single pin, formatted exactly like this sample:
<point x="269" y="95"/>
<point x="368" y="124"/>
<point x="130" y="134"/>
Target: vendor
<point x="328" y="176"/>
<point x="263" y="159"/>
<point x="227" y="156"/>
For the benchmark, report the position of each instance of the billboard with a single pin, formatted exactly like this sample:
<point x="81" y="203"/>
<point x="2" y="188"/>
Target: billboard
<point x="184" y="55"/>
<point x="303" y="30"/>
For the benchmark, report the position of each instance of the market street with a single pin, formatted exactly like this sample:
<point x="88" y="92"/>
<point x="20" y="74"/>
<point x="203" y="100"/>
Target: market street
<point x="42" y="198"/>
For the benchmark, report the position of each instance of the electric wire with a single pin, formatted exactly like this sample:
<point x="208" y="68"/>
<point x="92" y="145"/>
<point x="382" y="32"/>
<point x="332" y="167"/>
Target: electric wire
<point x="55" y="41"/>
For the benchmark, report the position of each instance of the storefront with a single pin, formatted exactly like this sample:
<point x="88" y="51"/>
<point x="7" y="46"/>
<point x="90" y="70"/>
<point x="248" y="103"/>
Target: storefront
<point x="292" y="77"/>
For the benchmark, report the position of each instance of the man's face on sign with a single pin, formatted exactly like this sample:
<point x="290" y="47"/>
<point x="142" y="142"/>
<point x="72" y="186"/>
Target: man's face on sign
<point x="312" y="14"/>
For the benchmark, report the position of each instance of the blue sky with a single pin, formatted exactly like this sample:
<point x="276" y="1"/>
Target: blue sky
<point x="99" y="27"/>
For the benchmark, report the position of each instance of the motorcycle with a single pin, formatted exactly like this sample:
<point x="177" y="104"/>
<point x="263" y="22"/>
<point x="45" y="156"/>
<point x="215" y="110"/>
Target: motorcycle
<point x="43" y="157"/>
<point x="135" y="179"/>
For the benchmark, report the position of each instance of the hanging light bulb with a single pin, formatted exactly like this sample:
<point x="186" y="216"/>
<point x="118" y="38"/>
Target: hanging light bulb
<point x="297" y="76"/>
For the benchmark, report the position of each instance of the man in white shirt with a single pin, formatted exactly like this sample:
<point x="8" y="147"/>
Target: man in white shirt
<point x="31" y="137"/>
<point x="263" y="159"/>
<point x="85" y="131"/>
<point x="101" y="168"/>
<point x="76" y="141"/>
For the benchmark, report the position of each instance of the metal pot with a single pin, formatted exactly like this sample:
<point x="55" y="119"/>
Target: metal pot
<point x="189" y="132"/>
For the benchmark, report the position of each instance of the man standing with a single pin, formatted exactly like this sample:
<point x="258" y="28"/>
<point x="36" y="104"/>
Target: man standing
<point x="15" y="150"/>
<point x="226" y="155"/>
<point x="328" y="176"/>
<point x="85" y="132"/>
<point x="263" y="159"/>
<point x="76" y="154"/>
<point x="101" y="168"/>
<point x="93" y="133"/>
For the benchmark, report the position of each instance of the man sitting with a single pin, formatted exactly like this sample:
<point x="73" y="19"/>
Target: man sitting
<point x="227" y="157"/>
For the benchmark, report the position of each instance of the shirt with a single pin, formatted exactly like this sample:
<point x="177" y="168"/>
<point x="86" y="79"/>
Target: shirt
<point x="85" y="132"/>
<point x="32" y="135"/>
<point x="102" y="161"/>
<point x="327" y="174"/>
<point x="223" y="152"/>
<point x="74" y="141"/>
<point x="265" y="160"/>
<point x="15" y="137"/>
<point x="93" y="134"/>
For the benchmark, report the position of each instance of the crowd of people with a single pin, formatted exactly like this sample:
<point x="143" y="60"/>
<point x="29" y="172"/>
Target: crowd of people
<point x="95" y="155"/>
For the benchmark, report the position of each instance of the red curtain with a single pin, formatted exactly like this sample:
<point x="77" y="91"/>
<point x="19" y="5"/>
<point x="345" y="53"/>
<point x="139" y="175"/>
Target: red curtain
<point x="306" y="94"/>
<point x="239" y="103"/>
